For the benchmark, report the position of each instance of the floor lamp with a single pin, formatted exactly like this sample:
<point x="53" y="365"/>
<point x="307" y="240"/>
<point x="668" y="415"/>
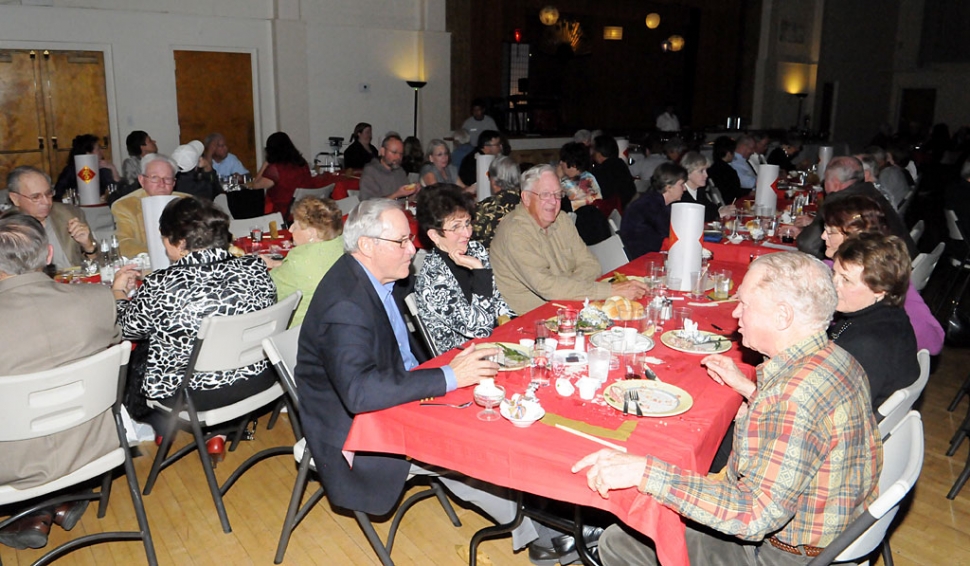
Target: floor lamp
<point x="416" y="85"/>
<point x="801" y="96"/>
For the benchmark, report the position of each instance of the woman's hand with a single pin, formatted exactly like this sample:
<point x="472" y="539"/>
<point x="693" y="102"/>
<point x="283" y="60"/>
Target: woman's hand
<point x="125" y="279"/>
<point x="466" y="261"/>
<point x="269" y="261"/>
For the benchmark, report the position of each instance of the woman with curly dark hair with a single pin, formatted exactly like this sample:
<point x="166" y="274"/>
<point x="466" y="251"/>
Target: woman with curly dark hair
<point x="284" y="171"/>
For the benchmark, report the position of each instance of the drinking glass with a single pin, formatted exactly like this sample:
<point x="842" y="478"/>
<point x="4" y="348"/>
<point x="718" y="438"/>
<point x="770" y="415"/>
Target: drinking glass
<point x="722" y="285"/>
<point x="680" y="314"/>
<point x="567" y="326"/>
<point x="697" y="280"/>
<point x="541" y="330"/>
<point x="489" y="399"/>
<point x="539" y="369"/>
<point x="616" y="346"/>
<point x="599" y="363"/>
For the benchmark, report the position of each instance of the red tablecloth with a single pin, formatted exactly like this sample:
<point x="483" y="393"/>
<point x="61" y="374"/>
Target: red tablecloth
<point x="538" y="459"/>
<point x="744" y="252"/>
<point x="342" y="183"/>
<point x="281" y="245"/>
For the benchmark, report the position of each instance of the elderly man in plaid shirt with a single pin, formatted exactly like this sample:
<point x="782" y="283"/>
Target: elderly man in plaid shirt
<point x="806" y="453"/>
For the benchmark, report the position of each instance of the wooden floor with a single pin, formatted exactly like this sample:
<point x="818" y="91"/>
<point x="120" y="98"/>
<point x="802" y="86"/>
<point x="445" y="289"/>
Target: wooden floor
<point x="933" y="531"/>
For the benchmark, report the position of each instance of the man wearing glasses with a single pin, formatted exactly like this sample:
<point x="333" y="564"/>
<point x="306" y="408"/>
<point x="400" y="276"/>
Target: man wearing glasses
<point x="489" y="143"/>
<point x="356" y="355"/>
<point x="69" y="236"/>
<point x="157" y="179"/>
<point x="538" y="256"/>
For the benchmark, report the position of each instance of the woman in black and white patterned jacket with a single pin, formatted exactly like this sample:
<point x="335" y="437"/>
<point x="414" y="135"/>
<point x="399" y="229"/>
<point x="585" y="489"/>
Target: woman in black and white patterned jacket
<point x="455" y="289"/>
<point x="168" y="308"/>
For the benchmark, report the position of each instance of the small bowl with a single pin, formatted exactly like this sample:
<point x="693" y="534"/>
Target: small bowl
<point x="533" y="413"/>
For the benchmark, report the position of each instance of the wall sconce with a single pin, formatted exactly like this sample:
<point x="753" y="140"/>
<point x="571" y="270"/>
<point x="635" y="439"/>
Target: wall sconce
<point x="676" y="42"/>
<point x="549" y="15"/>
<point x="612" y="32"/>
<point x="653" y="20"/>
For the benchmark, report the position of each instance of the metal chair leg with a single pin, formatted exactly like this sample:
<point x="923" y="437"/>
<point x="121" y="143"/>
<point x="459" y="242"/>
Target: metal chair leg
<point x="959" y="435"/>
<point x="439" y="492"/>
<point x="964" y="390"/>
<point x="887" y="553"/>
<point x="105" y="494"/>
<point x="289" y="522"/>
<point x="276" y="413"/>
<point x="375" y="541"/>
<point x="210" y="475"/>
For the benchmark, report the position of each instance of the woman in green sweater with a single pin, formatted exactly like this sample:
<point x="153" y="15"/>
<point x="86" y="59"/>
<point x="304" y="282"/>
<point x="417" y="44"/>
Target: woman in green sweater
<point x="317" y="234"/>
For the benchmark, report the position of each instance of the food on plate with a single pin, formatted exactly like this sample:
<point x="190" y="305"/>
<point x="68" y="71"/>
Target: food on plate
<point x="752" y="225"/>
<point x="621" y="308"/>
<point x="513" y="356"/>
<point x="592" y="319"/>
<point x="487" y="387"/>
<point x="236" y="251"/>
<point x="618" y="277"/>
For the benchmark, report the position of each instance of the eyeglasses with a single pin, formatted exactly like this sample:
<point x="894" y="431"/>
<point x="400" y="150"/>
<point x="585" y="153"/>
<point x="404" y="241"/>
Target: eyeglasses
<point x="164" y="180"/>
<point x="456" y="227"/>
<point x="547" y="196"/>
<point x="403" y="242"/>
<point x="37" y="197"/>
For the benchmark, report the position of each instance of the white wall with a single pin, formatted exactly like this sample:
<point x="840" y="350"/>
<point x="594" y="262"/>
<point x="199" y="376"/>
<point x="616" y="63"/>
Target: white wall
<point x="310" y="58"/>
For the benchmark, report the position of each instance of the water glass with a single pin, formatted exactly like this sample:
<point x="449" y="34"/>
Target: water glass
<point x="697" y="280"/>
<point x="599" y="363"/>
<point x="680" y="314"/>
<point x="722" y="285"/>
<point x="567" y="326"/>
<point x="616" y="346"/>
<point x="674" y="283"/>
<point x="541" y="330"/>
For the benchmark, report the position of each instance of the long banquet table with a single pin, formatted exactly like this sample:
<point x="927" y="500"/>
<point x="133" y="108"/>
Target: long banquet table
<point x="538" y="459"/>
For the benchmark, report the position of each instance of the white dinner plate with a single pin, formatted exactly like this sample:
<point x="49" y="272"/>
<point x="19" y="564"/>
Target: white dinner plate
<point x="656" y="398"/>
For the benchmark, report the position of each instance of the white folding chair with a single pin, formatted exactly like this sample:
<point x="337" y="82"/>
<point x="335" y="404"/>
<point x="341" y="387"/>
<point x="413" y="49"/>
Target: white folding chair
<point x="902" y="461"/>
<point x="418" y="260"/>
<point x="240" y="228"/>
<point x="353" y="193"/>
<point x="281" y="350"/>
<point x="347" y="204"/>
<point x="614" y="220"/>
<point x="905" y="202"/>
<point x="223" y="343"/>
<point x="222" y="203"/>
<point x="321" y="193"/>
<point x="901" y="401"/>
<point x="642" y="185"/>
<point x="47" y="402"/>
<point x="610" y="253"/>
<point x="412" y="304"/>
<point x="924" y="265"/>
<point x="917" y="232"/>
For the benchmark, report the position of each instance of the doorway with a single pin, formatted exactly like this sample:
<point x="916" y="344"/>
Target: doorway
<point x="47" y="98"/>
<point x="214" y="92"/>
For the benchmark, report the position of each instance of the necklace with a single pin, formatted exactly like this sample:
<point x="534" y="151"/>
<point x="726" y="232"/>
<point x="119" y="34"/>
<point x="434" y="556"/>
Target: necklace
<point x="845" y="324"/>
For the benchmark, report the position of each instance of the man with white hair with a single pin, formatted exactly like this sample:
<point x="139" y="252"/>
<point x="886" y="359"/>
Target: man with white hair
<point x="538" y="256"/>
<point x="157" y="179"/>
<point x="806" y="454"/>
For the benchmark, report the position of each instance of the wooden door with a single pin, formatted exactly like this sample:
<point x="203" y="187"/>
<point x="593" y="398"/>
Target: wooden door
<point x="47" y="98"/>
<point x="215" y="94"/>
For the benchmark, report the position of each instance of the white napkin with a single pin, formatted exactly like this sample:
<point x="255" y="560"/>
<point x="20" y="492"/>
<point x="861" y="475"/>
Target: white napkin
<point x="786" y="217"/>
<point x="736" y="238"/>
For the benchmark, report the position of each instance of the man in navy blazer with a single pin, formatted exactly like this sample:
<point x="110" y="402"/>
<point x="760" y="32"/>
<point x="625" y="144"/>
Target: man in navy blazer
<point x="356" y="355"/>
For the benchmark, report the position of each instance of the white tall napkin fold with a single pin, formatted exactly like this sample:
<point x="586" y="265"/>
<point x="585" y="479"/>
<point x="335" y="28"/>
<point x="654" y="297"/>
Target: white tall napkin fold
<point x="764" y="194"/>
<point x="686" y="230"/>
<point x="482" y="163"/>
<point x="88" y="181"/>
<point x="623" y="145"/>
<point x="824" y="156"/>
<point x="151" y="211"/>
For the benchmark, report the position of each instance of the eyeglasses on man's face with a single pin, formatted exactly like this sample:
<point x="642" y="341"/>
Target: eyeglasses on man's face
<point x="402" y="243"/>
<point x="155" y="179"/>
<point x="548" y="196"/>
<point x="36" y="198"/>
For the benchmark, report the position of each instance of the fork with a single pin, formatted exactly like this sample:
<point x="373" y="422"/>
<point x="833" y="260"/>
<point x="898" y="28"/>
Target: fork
<point x="452" y="405"/>
<point x="635" y="397"/>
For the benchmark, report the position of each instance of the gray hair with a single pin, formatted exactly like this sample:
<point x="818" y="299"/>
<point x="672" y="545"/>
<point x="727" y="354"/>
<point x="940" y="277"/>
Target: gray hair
<point x="212" y="137"/>
<point x="23" y="244"/>
<point x="802" y="281"/>
<point x="531" y="177"/>
<point x="436" y="143"/>
<point x="461" y="136"/>
<point x="14" y="176"/>
<point x="504" y="172"/>
<point x="745" y="140"/>
<point x="364" y="221"/>
<point x="583" y="136"/>
<point x="694" y="160"/>
<point x="878" y="153"/>
<point x="153" y="157"/>
<point x="844" y="169"/>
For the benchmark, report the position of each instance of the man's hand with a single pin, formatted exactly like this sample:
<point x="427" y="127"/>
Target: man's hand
<point x="470" y="366"/>
<point x="724" y="371"/>
<point x="803" y="220"/>
<point x="81" y="233"/>
<point x="611" y="469"/>
<point x="466" y="261"/>
<point x="630" y="289"/>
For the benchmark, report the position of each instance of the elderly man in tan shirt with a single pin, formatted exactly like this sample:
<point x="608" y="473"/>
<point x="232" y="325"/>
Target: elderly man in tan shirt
<point x="157" y="179"/>
<point x="538" y="256"/>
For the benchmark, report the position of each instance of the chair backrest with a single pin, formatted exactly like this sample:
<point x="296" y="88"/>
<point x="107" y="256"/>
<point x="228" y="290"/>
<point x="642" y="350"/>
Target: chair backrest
<point x="281" y="349"/>
<point x="952" y="228"/>
<point x="418" y="260"/>
<point x="917" y="232"/>
<point x="353" y="193"/>
<point x="610" y="253"/>
<point x="100" y="220"/>
<point x="322" y="192"/>
<point x="614" y="221"/>
<point x="47" y="402"/>
<point x="642" y="185"/>
<point x="240" y="228"/>
<point x="901" y="401"/>
<point x="923" y="266"/>
<point x="412" y="305"/>
<point x="905" y="202"/>
<point x="714" y="194"/>
<point x="347" y="204"/>
<point x="902" y="462"/>
<point x="222" y="203"/>
<point x="231" y="342"/>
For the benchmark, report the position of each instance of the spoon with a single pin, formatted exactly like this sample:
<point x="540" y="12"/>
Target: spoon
<point x="452" y="405"/>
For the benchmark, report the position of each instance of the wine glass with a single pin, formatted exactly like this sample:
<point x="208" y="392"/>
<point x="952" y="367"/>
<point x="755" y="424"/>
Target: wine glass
<point x="488" y="398"/>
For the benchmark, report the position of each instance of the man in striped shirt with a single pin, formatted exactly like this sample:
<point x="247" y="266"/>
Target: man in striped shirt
<point x="806" y="453"/>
